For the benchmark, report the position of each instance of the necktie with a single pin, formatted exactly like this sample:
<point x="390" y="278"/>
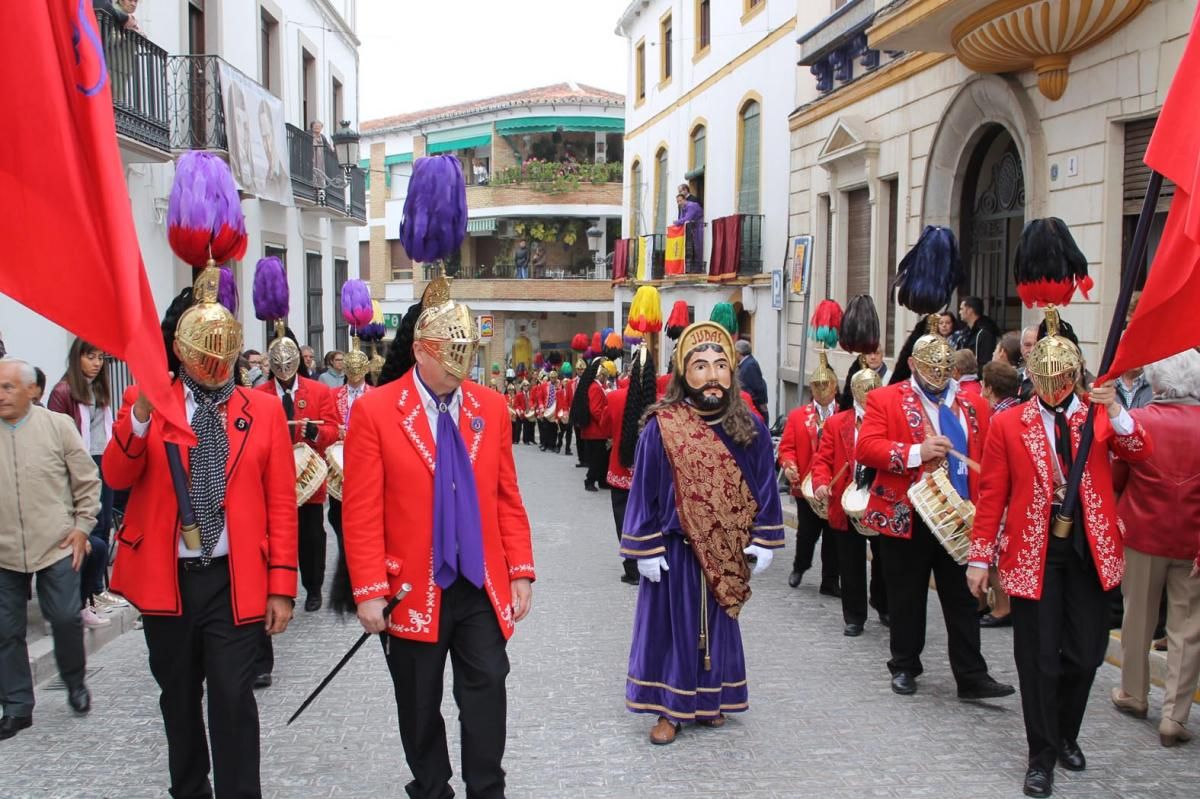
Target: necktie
<point x="457" y="529"/>
<point x="1062" y="445"/>
<point x="289" y="407"/>
<point x="951" y="428"/>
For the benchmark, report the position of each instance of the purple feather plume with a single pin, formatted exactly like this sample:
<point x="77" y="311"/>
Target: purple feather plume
<point x="270" y="289"/>
<point x="204" y="212"/>
<point x="435" y="210"/>
<point x="356" y="304"/>
<point x="227" y="291"/>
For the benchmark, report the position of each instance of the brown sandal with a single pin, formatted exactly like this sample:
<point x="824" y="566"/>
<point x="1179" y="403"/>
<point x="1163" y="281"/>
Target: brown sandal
<point x="663" y="732"/>
<point x="714" y="723"/>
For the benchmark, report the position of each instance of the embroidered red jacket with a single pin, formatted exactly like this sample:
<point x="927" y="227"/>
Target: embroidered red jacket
<point x="894" y="422"/>
<point x="387" y="505"/>
<point x="1018" y="475"/>
<point x="835" y="451"/>
<point x="342" y="403"/>
<point x="311" y="399"/>
<point x="798" y="446"/>
<point x="619" y="476"/>
<point x="260" y="508"/>
<point x="597" y="428"/>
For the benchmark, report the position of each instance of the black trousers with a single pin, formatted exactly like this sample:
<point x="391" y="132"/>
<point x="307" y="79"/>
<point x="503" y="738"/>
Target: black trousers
<point x="517" y="426"/>
<point x="1058" y="643"/>
<point x="852" y="568"/>
<point x="878" y="587"/>
<point x="579" y="446"/>
<point x="565" y="431"/>
<point x="620" y="499"/>
<point x="528" y="427"/>
<point x="595" y="455"/>
<point x="907" y="566"/>
<point x="202" y="649"/>
<point x="312" y="548"/>
<point x="809" y="529"/>
<point x="548" y="432"/>
<point x="469" y="633"/>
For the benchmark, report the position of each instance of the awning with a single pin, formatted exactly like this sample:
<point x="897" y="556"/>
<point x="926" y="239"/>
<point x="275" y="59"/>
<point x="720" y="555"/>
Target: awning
<point x="459" y="144"/>
<point x="698" y="172"/>
<point x="549" y="124"/>
<point x="481" y="227"/>
<point x="400" y="158"/>
<point x="460" y="138"/>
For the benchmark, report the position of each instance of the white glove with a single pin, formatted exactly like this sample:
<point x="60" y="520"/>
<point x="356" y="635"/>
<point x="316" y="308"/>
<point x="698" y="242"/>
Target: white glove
<point x="652" y="568"/>
<point x="763" y="557"/>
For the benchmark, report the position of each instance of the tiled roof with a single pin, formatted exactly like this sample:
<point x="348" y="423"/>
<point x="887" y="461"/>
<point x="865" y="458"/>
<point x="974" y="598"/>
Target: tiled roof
<point x="577" y="93"/>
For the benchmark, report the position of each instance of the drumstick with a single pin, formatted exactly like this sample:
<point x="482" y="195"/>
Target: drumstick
<point x="971" y="464"/>
<point x="309" y="421"/>
<point x="838" y="475"/>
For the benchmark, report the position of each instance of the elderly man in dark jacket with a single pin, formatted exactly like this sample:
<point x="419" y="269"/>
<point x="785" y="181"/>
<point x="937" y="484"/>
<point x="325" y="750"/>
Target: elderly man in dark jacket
<point x="750" y="376"/>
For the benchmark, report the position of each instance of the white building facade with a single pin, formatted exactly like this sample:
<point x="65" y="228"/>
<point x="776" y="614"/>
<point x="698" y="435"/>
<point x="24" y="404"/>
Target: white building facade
<point x="169" y="98"/>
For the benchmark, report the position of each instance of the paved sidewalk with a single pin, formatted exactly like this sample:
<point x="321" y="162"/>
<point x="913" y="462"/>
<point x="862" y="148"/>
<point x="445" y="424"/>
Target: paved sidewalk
<point x="822" y="723"/>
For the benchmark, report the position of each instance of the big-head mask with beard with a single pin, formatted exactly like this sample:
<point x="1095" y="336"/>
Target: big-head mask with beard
<point x="704" y="359"/>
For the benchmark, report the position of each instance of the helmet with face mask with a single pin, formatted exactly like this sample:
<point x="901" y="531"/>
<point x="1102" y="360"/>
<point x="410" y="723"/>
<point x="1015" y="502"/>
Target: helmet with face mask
<point x="933" y="358"/>
<point x="823" y="380"/>
<point x="208" y="339"/>
<point x="1054" y="363"/>
<point x="446" y="330"/>
<point x="864" y="381"/>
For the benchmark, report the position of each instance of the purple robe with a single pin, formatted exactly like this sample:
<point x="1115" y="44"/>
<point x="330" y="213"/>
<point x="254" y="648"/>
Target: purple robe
<point x="693" y="215"/>
<point x="666" y="666"/>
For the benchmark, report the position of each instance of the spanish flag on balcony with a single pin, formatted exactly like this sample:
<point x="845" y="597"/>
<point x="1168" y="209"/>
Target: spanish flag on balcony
<point x="643" y="258"/>
<point x="675" y="249"/>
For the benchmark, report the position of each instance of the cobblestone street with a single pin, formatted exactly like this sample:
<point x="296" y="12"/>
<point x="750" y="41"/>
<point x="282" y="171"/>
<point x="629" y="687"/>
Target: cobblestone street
<point x="822" y="722"/>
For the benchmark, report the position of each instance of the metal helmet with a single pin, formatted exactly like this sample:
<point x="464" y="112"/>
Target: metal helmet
<point x="864" y="381"/>
<point x="283" y="355"/>
<point x="933" y="358"/>
<point x="822" y="380"/>
<point x="1054" y="363"/>
<point x="208" y="338"/>
<point x="356" y="362"/>
<point x="446" y="331"/>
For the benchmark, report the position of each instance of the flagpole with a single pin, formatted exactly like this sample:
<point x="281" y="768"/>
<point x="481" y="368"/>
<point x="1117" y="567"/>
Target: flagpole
<point x="1133" y="270"/>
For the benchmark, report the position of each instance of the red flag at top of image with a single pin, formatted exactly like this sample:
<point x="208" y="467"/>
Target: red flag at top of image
<point x="1164" y="322"/>
<point x="70" y="251"/>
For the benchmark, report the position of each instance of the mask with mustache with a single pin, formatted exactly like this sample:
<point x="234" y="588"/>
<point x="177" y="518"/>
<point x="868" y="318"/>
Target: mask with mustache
<point x="705" y="403"/>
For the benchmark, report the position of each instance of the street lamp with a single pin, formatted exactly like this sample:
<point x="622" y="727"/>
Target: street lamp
<point x="345" y="147"/>
<point x="595" y="237"/>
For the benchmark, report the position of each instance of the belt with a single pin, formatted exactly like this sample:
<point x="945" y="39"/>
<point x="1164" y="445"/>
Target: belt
<point x="198" y="564"/>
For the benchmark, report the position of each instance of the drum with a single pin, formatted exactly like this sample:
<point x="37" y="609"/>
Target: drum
<point x="854" y="503"/>
<point x="310" y="472"/>
<point x="949" y="516"/>
<point x="549" y="414"/>
<point x="820" y="507"/>
<point x="333" y="457"/>
<point x="530" y="415"/>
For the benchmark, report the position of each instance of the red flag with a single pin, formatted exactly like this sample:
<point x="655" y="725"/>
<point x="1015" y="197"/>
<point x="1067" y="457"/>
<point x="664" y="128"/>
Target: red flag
<point x="71" y="250"/>
<point x="1164" y="322"/>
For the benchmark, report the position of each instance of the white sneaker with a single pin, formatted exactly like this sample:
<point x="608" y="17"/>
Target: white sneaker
<point x="92" y="620"/>
<point x="107" y="600"/>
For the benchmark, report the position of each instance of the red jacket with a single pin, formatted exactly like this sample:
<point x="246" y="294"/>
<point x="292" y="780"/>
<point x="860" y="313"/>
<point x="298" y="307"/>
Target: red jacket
<point x="835" y="451"/>
<point x="567" y="396"/>
<point x="260" y="509"/>
<point x="798" y="446"/>
<point x="341" y="402"/>
<point x="619" y="476"/>
<point x="895" y="420"/>
<point x="387" y="503"/>
<point x="597" y="428"/>
<point x="311" y="399"/>
<point x="1019" y="476"/>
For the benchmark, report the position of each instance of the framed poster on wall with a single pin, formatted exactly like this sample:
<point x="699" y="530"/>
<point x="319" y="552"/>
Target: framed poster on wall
<point x="801" y="265"/>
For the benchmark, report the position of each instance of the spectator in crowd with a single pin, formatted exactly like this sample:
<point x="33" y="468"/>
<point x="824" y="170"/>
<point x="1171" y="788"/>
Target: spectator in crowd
<point x="1029" y="337"/>
<point x="121" y="11"/>
<point x="690" y="213"/>
<point x="982" y="332"/>
<point x="41" y="385"/>
<point x="257" y="368"/>
<point x="59" y="479"/>
<point x="308" y="358"/>
<point x="537" y="259"/>
<point x="750" y="377"/>
<point x="84" y="395"/>
<point x="479" y="171"/>
<point x="966" y="372"/>
<point x="1001" y="385"/>
<point x="1133" y="390"/>
<point x="951" y="329"/>
<point x="875" y="361"/>
<point x="521" y="259"/>
<point x="1164" y="488"/>
<point x="686" y="190"/>
<point x="334" y="375"/>
<point x="1008" y="349"/>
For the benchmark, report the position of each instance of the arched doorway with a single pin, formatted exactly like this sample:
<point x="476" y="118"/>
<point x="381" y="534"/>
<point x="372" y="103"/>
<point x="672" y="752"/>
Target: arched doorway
<point x="993" y="213"/>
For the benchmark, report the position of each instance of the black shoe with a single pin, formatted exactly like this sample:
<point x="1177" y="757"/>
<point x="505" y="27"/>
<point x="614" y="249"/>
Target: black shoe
<point x="1038" y="782"/>
<point x="987" y="688"/>
<point x="830" y="590"/>
<point x="852" y="630"/>
<point x="589" y="486"/>
<point x="630" y="579"/>
<point x="80" y="699"/>
<point x="1071" y="757"/>
<point x="795" y="577"/>
<point x="581" y="466"/>
<point x="904" y="683"/>
<point x="988" y="620"/>
<point x="569" y="453"/>
<point x="262" y="681"/>
<point x="313" y="602"/>
<point x="885" y="619"/>
<point x="11" y="725"/>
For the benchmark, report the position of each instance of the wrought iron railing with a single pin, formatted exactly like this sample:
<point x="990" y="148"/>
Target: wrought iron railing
<point x="693" y="249"/>
<point x="358" y="194"/>
<point x="328" y="176"/>
<point x="137" y="74"/>
<point x="750" y="256"/>
<point x="583" y="269"/>
<point x="300" y="161"/>
<point x="194" y="103"/>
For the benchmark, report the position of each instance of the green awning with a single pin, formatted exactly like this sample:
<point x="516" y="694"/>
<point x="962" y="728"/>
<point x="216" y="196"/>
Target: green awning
<point x="481" y="227"/>
<point x="401" y="158"/>
<point x="698" y="172"/>
<point x="482" y="140"/>
<point x="549" y="124"/>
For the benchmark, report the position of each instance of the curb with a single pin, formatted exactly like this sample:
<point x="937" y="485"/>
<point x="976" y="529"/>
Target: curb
<point x="41" y="651"/>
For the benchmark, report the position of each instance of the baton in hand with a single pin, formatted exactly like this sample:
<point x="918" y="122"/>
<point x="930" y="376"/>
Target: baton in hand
<point x="387" y="612"/>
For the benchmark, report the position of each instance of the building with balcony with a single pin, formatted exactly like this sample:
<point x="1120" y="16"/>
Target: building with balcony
<point x="979" y="115"/>
<point x="245" y="81"/>
<point x="542" y="166"/>
<point x="709" y="91"/>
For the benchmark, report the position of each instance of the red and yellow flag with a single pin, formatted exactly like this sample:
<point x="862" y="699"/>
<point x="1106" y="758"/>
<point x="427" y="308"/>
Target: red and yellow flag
<point x="675" y="249"/>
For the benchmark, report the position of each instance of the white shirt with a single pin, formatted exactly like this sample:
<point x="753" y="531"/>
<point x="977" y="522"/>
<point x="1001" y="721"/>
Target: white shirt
<point x="430" y="403"/>
<point x="139" y="430"/>
<point x="825" y="411"/>
<point x="352" y="394"/>
<point x="931" y="413"/>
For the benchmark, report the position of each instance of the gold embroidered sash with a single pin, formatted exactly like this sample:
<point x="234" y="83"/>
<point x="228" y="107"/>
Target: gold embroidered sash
<point x="716" y="508"/>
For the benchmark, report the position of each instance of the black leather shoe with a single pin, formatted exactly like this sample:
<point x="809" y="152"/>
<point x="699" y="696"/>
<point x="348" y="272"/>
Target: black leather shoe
<point x="581" y="466"/>
<point x="1071" y="757"/>
<point x="830" y="590"/>
<point x="885" y="619"/>
<point x="11" y="725"/>
<point x="313" y="602"/>
<point x="904" y="683"/>
<point x="988" y="620"/>
<point x="630" y="579"/>
<point x="852" y="630"/>
<point x="794" y="578"/>
<point x="80" y="699"/>
<point x="569" y="452"/>
<point x="589" y="486"/>
<point x="987" y="688"/>
<point x="262" y="681"/>
<point x="1038" y="782"/>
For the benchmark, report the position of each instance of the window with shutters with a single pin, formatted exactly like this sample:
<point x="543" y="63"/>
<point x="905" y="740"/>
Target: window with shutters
<point x="635" y="199"/>
<point x="703" y="29"/>
<point x="341" y="337"/>
<point x="858" y="243"/>
<point x="662" y="189"/>
<point x="312" y="285"/>
<point x="398" y="257"/>
<point x="749" y="140"/>
<point x="664" y="50"/>
<point x="750" y="9"/>
<point x="639" y="71"/>
<point x="697" y="154"/>
<point x="1136" y="181"/>
<point x="889" y="333"/>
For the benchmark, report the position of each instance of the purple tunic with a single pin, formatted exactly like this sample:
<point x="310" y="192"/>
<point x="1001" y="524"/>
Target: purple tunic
<point x="693" y="215"/>
<point x="666" y="664"/>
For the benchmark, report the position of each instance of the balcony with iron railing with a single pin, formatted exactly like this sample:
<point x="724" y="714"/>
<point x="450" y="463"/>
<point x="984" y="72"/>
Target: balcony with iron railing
<point x="582" y="282"/>
<point x="195" y="104"/>
<point x="137" y="75"/>
<point x="750" y="253"/>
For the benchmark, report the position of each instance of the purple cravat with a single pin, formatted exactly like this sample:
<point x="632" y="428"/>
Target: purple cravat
<point x="457" y="530"/>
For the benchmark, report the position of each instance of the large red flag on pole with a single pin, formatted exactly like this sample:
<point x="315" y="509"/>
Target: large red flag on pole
<point x="1165" y="320"/>
<point x="70" y="249"/>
